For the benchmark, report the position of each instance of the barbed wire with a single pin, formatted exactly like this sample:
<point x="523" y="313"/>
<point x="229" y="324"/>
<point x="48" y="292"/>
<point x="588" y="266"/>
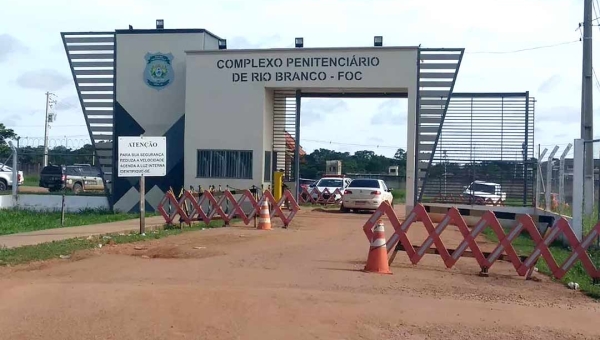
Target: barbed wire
<point x="67" y="142"/>
<point x="378" y="146"/>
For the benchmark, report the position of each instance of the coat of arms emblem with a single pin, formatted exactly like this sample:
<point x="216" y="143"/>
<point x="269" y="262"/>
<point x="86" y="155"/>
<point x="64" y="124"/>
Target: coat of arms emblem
<point x="158" y="73"/>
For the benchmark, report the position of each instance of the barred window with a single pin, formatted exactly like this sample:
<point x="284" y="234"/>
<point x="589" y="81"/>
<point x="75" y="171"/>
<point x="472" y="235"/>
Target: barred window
<point x="268" y="170"/>
<point x="235" y="164"/>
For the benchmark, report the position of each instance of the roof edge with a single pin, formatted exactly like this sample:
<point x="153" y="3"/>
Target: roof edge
<point x="306" y="49"/>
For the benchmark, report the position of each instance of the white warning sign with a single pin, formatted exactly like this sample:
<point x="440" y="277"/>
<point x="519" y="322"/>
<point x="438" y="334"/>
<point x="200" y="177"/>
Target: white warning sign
<point x="142" y="156"/>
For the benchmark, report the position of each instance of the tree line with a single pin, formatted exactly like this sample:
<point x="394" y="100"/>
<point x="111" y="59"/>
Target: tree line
<point x="312" y="165"/>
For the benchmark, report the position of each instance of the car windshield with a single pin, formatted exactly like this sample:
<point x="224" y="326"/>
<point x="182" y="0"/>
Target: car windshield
<point x="490" y="189"/>
<point x="330" y="182"/>
<point x="364" y="183"/>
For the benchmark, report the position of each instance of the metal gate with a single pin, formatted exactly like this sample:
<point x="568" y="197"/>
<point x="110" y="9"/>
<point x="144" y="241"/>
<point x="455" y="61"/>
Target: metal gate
<point x="284" y="132"/>
<point x="485" y="138"/>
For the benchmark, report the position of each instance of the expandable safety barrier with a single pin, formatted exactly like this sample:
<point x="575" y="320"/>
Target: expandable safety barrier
<point x="205" y="207"/>
<point x="460" y="199"/>
<point x="524" y="265"/>
<point x="316" y="196"/>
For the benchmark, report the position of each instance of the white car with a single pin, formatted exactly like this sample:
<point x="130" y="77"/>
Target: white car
<point x="366" y="194"/>
<point x="331" y="184"/>
<point x="6" y="179"/>
<point x="484" y="190"/>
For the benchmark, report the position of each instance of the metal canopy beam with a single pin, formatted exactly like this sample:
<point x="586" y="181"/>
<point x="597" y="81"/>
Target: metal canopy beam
<point x="353" y="95"/>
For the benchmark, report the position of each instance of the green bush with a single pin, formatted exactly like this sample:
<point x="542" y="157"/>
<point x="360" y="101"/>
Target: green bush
<point x="399" y="195"/>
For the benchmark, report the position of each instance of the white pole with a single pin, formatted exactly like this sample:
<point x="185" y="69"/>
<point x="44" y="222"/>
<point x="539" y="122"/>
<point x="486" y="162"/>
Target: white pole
<point x="549" y="177"/>
<point x="578" y="179"/>
<point x="46" y="130"/>
<point x="15" y="173"/>
<point x="142" y="205"/>
<point x="561" y="175"/>
<point x="587" y="106"/>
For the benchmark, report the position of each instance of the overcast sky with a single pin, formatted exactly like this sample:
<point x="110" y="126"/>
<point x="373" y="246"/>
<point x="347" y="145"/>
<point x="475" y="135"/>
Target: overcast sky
<point x="33" y="60"/>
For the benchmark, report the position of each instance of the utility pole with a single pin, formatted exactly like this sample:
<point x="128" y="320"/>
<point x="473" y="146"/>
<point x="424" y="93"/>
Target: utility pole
<point x="50" y="101"/>
<point x="587" y="111"/>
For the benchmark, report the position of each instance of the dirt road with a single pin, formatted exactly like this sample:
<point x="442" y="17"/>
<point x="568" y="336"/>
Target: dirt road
<point x="300" y="283"/>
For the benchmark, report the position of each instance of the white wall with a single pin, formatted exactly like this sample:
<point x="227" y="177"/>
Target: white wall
<point x="54" y="202"/>
<point x="268" y="129"/>
<point x="210" y="42"/>
<point x="6" y="201"/>
<point x="157" y="112"/>
<point x="238" y="111"/>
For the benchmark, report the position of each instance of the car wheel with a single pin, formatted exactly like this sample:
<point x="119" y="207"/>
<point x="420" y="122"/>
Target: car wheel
<point x="3" y="185"/>
<point x="77" y="188"/>
<point x="344" y="209"/>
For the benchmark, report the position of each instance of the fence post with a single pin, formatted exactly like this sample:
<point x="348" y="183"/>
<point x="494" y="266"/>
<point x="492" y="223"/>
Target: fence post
<point x="549" y="178"/>
<point x="578" y="179"/>
<point x="15" y="173"/>
<point x="561" y="175"/>
<point x="538" y="184"/>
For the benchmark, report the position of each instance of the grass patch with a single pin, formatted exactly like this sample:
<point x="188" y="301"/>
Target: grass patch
<point x="524" y="245"/>
<point x="23" y="220"/>
<point x="399" y="195"/>
<point x="55" y="249"/>
<point x="31" y="181"/>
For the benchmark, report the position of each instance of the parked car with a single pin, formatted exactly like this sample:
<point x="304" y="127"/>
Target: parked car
<point x="306" y="183"/>
<point x="52" y="177"/>
<point x="485" y="190"/>
<point x="366" y="194"/>
<point x="6" y="179"/>
<point x="331" y="184"/>
<point x="77" y="178"/>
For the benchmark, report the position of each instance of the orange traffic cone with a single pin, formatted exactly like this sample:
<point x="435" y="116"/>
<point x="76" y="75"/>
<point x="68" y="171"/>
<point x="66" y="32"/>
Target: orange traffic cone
<point x="377" y="262"/>
<point x="264" y="219"/>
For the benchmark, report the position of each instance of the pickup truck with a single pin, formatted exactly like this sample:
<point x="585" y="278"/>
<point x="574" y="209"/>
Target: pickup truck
<point x="6" y="179"/>
<point x="77" y="178"/>
<point x="484" y="190"/>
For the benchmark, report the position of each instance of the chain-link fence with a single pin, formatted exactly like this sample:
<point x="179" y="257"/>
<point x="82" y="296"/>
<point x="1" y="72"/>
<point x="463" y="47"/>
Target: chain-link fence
<point x="68" y="166"/>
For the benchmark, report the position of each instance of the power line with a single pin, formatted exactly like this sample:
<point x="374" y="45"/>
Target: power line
<point x="524" y="49"/>
<point x="596" y="79"/>
<point x="41" y="125"/>
<point x="353" y="144"/>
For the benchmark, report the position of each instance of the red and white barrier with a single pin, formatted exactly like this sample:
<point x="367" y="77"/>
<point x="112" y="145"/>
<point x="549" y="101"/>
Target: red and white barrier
<point x="189" y="207"/>
<point x="523" y="265"/>
<point x="324" y="197"/>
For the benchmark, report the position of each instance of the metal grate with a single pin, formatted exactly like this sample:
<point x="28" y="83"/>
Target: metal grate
<point x="437" y="70"/>
<point x="235" y="164"/>
<point x="485" y="138"/>
<point x="91" y="59"/>
<point x="284" y="131"/>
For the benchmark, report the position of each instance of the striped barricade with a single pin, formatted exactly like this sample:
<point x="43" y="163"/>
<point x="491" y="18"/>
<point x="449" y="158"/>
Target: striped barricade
<point x="324" y="197"/>
<point x="504" y="250"/>
<point x="205" y="207"/>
